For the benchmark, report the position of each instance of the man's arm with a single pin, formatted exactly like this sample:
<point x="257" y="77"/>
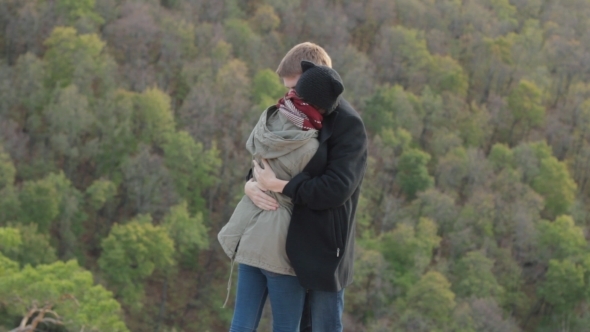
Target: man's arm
<point x="267" y="177"/>
<point x="347" y="158"/>
<point x="255" y="192"/>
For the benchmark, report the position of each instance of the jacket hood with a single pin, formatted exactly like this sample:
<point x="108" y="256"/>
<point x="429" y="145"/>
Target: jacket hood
<point x="275" y="136"/>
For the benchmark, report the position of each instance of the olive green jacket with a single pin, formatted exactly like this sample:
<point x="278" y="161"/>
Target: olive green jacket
<point x="254" y="236"/>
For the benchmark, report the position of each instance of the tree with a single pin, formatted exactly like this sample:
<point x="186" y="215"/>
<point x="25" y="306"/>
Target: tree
<point x="501" y="156"/>
<point x="547" y="176"/>
<point x="556" y="185"/>
<point x="525" y="104"/>
<point x="452" y="170"/>
<point x="29" y="247"/>
<point x="9" y="203"/>
<point x="509" y="274"/>
<point x="527" y="157"/>
<point x="69" y="223"/>
<point x="434" y="117"/>
<point x="445" y="74"/>
<point x="39" y="202"/>
<point x="135" y="38"/>
<point x="490" y="65"/>
<point x="79" y="60"/>
<point x="245" y="42"/>
<point x="474" y="125"/>
<point x="564" y="285"/>
<point x="7" y="170"/>
<point x="53" y="204"/>
<point x="266" y="88"/>
<point x="561" y="238"/>
<point x="518" y="209"/>
<point x="366" y="298"/>
<point x="487" y="316"/>
<point x="131" y="253"/>
<point x="408" y="249"/>
<point x="7" y="266"/>
<point x="100" y="192"/>
<point x="413" y="175"/>
<point x="75" y="10"/>
<point x="579" y="121"/>
<point x="388" y="107"/>
<point x="402" y="56"/>
<point x="148" y="185"/>
<point x="188" y="233"/>
<point x="10" y="238"/>
<point x="474" y="227"/>
<point x="153" y="117"/>
<point x="176" y="46"/>
<point x="320" y="22"/>
<point x="475" y="278"/>
<point x="78" y="303"/>
<point x="116" y="139"/>
<point x="432" y="298"/>
<point x="564" y="55"/>
<point x="26" y="24"/>
<point x="218" y="106"/>
<point x="437" y="206"/>
<point x="70" y="121"/>
<point x="357" y="72"/>
<point x="27" y="85"/>
<point x="527" y="51"/>
<point x="367" y="18"/>
<point x="192" y="168"/>
<point x="380" y="189"/>
<point x="265" y="19"/>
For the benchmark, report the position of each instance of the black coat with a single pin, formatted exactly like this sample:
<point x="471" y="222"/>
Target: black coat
<point x="320" y="241"/>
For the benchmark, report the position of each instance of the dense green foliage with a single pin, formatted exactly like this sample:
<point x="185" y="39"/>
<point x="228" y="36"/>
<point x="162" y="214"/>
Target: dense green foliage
<point x="122" y="131"/>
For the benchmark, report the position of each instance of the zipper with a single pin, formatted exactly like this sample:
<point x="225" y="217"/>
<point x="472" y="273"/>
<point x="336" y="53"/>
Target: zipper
<point x="337" y="252"/>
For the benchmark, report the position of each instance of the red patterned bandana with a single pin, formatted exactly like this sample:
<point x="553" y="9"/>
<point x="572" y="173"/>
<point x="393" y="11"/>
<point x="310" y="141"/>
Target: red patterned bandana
<point x="302" y="114"/>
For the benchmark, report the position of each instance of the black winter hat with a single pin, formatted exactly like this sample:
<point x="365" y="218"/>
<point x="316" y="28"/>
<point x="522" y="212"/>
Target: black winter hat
<point x="320" y="86"/>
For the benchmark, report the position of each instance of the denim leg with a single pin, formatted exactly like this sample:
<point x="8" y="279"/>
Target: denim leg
<point x="286" y="300"/>
<point x="250" y="298"/>
<point x="326" y="310"/>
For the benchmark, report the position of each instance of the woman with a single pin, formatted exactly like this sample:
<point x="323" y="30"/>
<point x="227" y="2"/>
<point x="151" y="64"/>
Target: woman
<point x="285" y="139"/>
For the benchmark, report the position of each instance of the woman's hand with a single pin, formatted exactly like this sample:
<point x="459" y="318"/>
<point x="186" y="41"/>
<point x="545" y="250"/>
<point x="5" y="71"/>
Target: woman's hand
<point x="266" y="177"/>
<point x="256" y="193"/>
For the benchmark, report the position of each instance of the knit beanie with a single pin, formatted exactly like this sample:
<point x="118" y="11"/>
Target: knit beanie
<point x="319" y="86"/>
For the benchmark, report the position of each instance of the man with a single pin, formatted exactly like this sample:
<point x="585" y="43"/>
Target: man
<point x="320" y="240"/>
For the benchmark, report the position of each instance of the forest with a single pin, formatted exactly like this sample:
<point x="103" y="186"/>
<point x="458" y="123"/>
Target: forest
<point x="122" y="154"/>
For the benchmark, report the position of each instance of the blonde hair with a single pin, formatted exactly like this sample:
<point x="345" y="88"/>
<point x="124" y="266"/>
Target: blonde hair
<point x="291" y="63"/>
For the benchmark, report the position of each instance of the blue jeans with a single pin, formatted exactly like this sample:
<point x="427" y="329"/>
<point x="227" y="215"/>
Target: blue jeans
<point x="286" y="300"/>
<point x="325" y="311"/>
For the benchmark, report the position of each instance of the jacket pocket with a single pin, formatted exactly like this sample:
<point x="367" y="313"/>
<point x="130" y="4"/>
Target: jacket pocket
<point x="336" y="230"/>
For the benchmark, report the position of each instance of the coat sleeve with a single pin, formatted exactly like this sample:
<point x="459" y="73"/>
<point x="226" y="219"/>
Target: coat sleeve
<point x="347" y="159"/>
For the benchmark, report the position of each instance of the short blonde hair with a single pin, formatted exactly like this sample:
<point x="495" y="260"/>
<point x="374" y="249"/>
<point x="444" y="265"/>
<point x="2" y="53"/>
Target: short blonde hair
<point x="291" y="63"/>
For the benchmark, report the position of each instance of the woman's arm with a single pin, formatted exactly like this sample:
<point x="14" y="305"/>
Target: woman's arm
<point x="344" y="171"/>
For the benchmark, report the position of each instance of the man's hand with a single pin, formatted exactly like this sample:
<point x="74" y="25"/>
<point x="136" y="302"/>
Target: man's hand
<point x="266" y="177"/>
<point x="254" y="191"/>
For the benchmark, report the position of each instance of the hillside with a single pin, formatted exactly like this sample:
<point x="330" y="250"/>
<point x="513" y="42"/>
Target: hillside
<point x="122" y="153"/>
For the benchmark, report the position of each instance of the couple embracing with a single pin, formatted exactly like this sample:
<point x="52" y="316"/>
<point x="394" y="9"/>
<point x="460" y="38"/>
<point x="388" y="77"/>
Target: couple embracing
<point x="292" y="234"/>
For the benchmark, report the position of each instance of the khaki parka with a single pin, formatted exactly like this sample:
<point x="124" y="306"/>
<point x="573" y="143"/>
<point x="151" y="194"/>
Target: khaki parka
<point x="254" y="236"/>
